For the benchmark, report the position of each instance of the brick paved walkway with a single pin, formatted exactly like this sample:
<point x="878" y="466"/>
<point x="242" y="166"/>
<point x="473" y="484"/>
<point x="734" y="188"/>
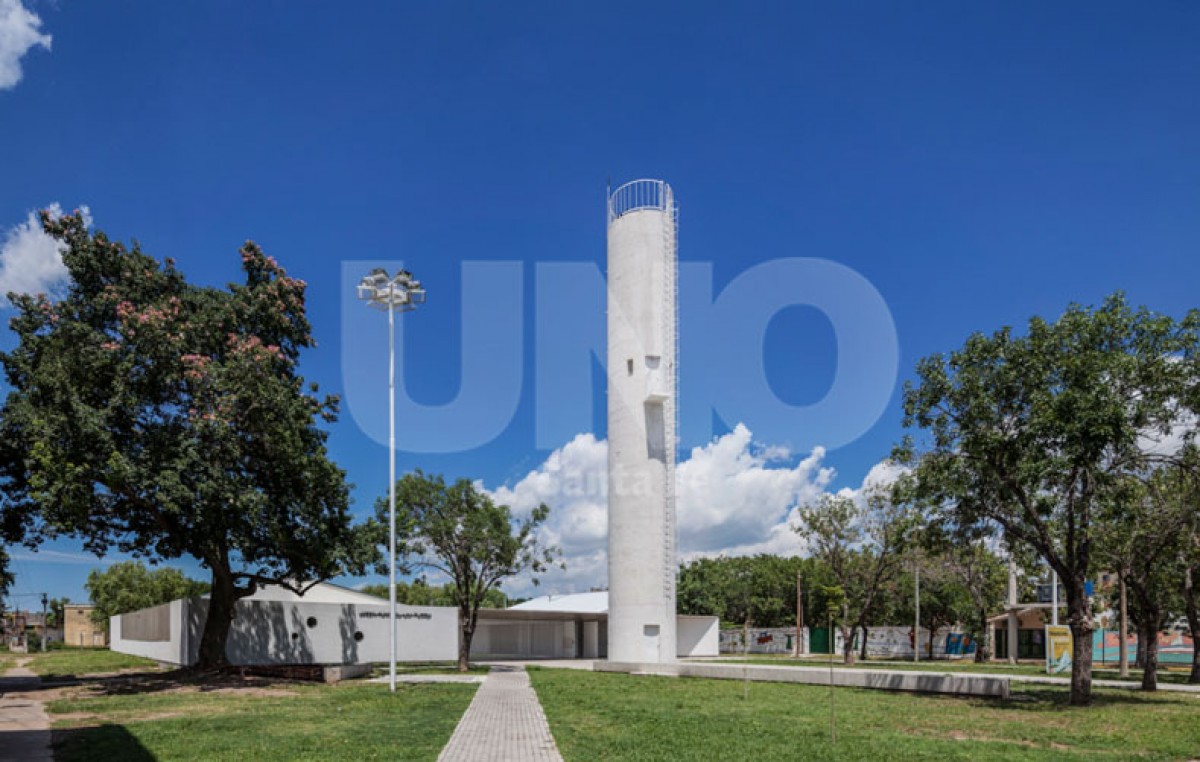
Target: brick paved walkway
<point x="504" y="723"/>
<point x="24" y="726"/>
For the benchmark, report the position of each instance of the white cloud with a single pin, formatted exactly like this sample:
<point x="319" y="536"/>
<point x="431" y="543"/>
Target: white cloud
<point x="30" y="260"/>
<point x="66" y="557"/>
<point x="735" y="497"/>
<point x="19" y="31"/>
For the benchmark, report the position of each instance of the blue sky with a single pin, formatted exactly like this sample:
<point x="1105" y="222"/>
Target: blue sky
<point x="975" y="163"/>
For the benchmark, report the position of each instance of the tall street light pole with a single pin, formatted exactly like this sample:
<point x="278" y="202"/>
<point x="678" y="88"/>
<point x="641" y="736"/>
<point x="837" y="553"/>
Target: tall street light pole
<point x="398" y="293"/>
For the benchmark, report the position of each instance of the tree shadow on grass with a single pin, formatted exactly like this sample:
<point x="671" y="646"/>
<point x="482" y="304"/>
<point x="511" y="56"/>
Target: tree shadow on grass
<point x="1042" y="699"/>
<point x="103" y="742"/>
<point x="155" y="682"/>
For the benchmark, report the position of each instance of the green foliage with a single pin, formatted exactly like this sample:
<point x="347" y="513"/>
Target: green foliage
<point x="458" y="530"/>
<point x="1033" y="434"/>
<point x="861" y="543"/>
<point x="54" y="615"/>
<point x="1143" y="534"/>
<point x="761" y="589"/>
<point x="6" y="575"/>
<point x="164" y="418"/>
<point x="130" y="586"/>
<point x="420" y="593"/>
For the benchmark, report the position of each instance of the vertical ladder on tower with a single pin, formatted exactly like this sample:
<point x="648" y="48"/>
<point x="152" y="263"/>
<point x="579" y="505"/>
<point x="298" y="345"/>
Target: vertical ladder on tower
<point x="671" y="414"/>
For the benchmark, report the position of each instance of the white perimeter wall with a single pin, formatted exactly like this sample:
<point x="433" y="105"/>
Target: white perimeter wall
<point x="279" y="632"/>
<point x="697" y="636"/>
<point x="169" y="651"/>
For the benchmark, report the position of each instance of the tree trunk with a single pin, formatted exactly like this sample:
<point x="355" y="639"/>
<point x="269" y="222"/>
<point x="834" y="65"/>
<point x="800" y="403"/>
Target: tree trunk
<point x="1194" y="677"/>
<point x="466" y="619"/>
<point x="1148" y="633"/>
<point x="1139" y="661"/>
<point x="1193" y="620"/>
<point x="847" y="644"/>
<point x="983" y="643"/>
<point x="862" y="649"/>
<point x="221" y="602"/>
<point x="1079" y="617"/>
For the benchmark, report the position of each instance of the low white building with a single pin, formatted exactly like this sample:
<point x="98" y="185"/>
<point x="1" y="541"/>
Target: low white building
<point x="329" y="625"/>
<point x="573" y="626"/>
<point x="335" y="625"/>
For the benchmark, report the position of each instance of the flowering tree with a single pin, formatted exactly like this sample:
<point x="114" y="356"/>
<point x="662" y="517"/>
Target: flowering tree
<point x="161" y="418"/>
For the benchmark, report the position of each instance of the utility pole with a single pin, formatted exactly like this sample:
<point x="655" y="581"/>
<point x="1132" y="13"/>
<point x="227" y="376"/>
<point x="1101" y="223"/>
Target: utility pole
<point x="917" y="621"/>
<point x="1011" y="637"/>
<point x="1054" y="596"/>
<point x="44" y="630"/>
<point x="799" y="611"/>
<point x="1123" y="648"/>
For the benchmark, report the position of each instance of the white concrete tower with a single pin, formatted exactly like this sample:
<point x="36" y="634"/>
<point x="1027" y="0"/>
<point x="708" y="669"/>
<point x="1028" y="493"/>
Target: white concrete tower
<point x="642" y="360"/>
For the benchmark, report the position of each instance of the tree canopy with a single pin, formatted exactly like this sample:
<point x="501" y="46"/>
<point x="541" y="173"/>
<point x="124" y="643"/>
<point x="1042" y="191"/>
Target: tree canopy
<point x="421" y="593"/>
<point x="130" y="586"/>
<point x="861" y="542"/>
<point x="457" y="529"/>
<point x="1030" y="433"/>
<point x="163" y="418"/>
<point x="759" y="589"/>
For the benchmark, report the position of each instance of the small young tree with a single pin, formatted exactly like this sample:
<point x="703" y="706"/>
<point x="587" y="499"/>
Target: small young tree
<point x="459" y="531"/>
<point x="860" y="542"/>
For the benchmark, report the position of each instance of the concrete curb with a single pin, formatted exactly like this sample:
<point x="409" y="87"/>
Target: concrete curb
<point x="890" y="680"/>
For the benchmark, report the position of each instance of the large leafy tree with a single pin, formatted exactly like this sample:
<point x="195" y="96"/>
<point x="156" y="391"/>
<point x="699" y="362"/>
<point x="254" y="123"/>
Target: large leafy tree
<point x="457" y="530"/>
<point x="129" y="586"/>
<point x="861" y="542"/>
<point x="163" y="418"/>
<point x="1031" y="433"/>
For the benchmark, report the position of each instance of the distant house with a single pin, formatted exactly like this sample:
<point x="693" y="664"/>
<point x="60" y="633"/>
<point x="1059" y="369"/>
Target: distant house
<point x="79" y="629"/>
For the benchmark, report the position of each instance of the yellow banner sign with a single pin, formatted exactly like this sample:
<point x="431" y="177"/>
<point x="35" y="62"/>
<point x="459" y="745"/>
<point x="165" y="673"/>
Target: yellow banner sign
<point x="1058" y="649"/>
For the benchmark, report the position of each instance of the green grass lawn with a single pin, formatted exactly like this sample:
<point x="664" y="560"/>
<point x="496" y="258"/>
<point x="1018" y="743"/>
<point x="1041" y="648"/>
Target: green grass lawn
<point x="614" y="716"/>
<point x="284" y="722"/>
<point x="993" y="668"/>
<point x="78" y="662"/>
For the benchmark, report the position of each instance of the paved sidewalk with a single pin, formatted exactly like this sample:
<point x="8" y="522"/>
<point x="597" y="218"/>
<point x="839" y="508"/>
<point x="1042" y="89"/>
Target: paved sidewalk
<point x="24" y="726"/>
<point x="504" y="723"/>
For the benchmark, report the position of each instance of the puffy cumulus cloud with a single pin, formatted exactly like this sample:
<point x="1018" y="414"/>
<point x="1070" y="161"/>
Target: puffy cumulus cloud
<point x="19" y="32"/>
<point x="31" y="261"/>
<point x="573" y="481"/>
<point x="735" y="497"/>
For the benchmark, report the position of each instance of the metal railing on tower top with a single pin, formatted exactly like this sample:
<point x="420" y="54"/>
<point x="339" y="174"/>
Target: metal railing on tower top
<point x="639" y="194"/>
